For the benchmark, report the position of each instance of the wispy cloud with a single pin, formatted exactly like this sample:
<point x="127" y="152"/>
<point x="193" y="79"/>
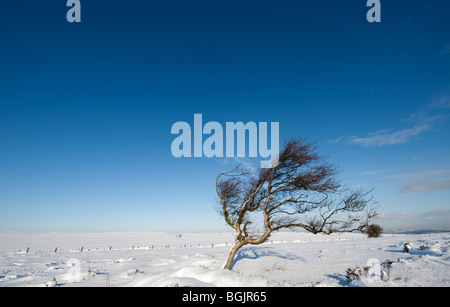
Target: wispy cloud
<point x="424" y="120"/>
<point x="441" y="102"/>
<point x="427" y="174"/>
<point x="445" y="50"/>
<point x="434" y="180"/>
<point x="429" y="185"/>
<point x="436" y="110"/>
<point x="384" y="137"/>
<point x="374" y="173"/>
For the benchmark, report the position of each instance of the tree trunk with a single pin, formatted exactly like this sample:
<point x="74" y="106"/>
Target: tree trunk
<point x="232" y="254"/>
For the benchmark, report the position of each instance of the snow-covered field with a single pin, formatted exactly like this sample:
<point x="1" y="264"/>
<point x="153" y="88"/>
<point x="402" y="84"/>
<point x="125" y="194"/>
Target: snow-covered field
<point x="195" y="259"/>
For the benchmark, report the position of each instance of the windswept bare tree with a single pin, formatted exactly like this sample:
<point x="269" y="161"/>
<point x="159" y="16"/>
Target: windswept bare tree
<point x="301" y="191"/>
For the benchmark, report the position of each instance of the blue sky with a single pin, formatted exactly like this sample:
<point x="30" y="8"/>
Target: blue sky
<point x="86" y="108"/>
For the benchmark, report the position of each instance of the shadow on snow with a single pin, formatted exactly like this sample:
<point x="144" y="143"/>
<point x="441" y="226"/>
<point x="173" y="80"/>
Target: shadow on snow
<point x="256" y="252"/>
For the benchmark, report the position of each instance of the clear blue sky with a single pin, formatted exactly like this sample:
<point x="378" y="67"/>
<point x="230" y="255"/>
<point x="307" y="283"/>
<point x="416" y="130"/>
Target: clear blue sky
<point x="86" y="108"/>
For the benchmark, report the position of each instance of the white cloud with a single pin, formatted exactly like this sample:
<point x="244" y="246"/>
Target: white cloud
<point x="424" y="120"/>
<point x="424" y="181"/>
<point x="384" y="137"/>
<point x="427" y="174"/>
<point x="437" y="109"/>
<point x="373" y="173"/>
<point x="429" y="185"/>
<point x="337" y="140"/>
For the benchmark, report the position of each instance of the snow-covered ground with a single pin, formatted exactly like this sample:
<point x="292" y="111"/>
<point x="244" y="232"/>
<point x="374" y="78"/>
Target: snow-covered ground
<point x="195" y="259"/>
